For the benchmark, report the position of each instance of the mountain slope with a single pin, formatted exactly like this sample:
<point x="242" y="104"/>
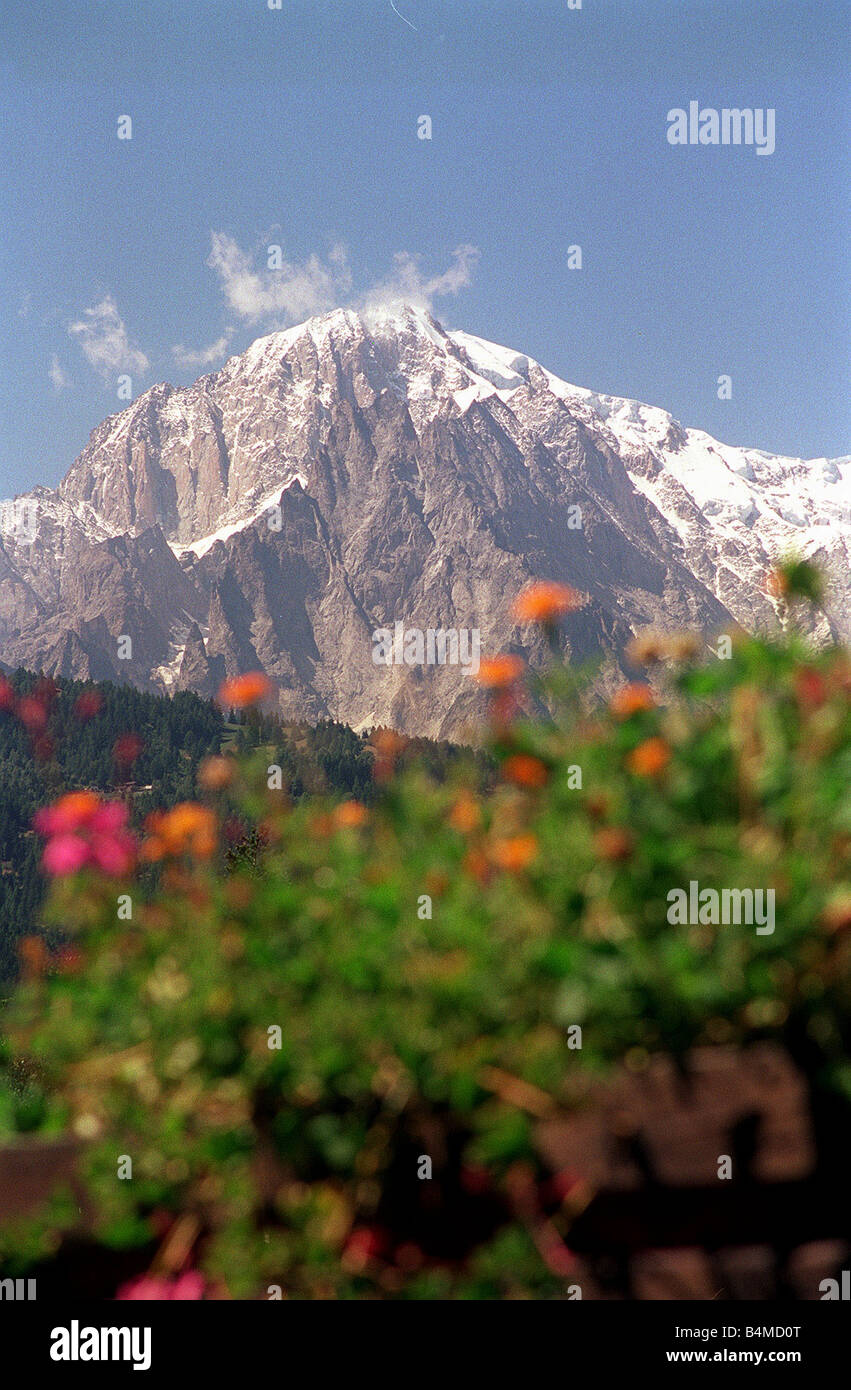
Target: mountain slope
<point x="363" y="470"/>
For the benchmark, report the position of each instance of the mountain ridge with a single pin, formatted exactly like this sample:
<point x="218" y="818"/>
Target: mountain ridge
<point x="365" y="468"/>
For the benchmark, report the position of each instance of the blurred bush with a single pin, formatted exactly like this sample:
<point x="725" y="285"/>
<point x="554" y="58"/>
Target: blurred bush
<point x="292" y="1023"/>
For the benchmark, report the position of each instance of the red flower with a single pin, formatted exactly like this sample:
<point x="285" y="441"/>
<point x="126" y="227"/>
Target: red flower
<point x="127" y="749"/>
<point x="810" y="688"/>
<point x="88" y="704"/>
<point x="32" y="714"/>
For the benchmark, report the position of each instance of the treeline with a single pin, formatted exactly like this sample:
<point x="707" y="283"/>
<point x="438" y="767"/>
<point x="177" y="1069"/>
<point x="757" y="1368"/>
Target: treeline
<point x="331" y="758"/>
<point x="61" y="735"/>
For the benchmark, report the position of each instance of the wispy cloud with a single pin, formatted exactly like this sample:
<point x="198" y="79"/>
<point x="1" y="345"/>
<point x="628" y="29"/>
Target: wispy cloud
<point x="202" y="357"/>
<point x="295" y="291"/>
<point x="58" y="375"/>
<point x="408" y="284"/>
<point x="278" y="298"/>
<point x="105" y="342"/>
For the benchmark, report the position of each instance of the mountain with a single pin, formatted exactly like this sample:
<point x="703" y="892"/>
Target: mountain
<point x="361" y="470"/>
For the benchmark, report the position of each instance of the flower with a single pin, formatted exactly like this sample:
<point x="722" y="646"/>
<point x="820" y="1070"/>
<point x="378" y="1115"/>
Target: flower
<point x="70" y="813"/>
<point x="64" y="854"/>
<point x="810" y="687"/>
<point x="516" y="853"/>
<point x="32" y="714"/>
<point x="650" y="757"/>
<point x="80" y="829"/>
<point x="87" y="705"/>
<point x="613" y="843"/>
<point x="349" y="815"/>
<point x="499" y="672"/>
<point x="34" y="955"/>
<point x="387" y="745"/>
<point x="650" y="645"/>
<point x="188" y="1286"/>
<point x="465" y="816"/>
<point x="127" y="749"/>
<point x="525" y="771"/>
<point x="188" y="828"/>
<point x="545" y="601"/>
<point x="216" y="773"/>
<point x="241" y="691"/>
<point x="7" y="694"/>
<point x="631" y="699"/>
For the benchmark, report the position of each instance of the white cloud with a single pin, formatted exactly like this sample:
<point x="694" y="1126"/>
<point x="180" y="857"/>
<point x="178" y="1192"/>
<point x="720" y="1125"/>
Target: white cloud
<point x="202" y="357"/>
<point x="105" y="342"/>
<point x="59" y="377"/>
<point x="294" y="292"/>
<point x="407" y="284"/>
<point x="299" y="290"/>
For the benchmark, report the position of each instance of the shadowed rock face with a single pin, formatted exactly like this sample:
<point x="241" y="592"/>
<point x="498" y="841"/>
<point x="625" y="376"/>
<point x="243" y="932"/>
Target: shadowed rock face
<point x="360" y="471"/>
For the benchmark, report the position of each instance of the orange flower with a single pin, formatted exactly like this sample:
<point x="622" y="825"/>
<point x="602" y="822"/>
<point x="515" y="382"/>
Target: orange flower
<point x="476" y="865"/>
<point x="499" y="672"/>
<point x="75" y="810"/>
<point x="349" y="815"/>
<point x="216" y="773"/>
<point x="525" y="771"/>
<point x="515" y="854"/>
<point x="544" y="602"/>
<point x="650" y="757"/>
<point x="631" y="699"/>
<point x="245" y="690"/>
<point x="187" y="829"/>
<point x="464" y="816"/>
<point x="387" y="745"/>
<point x="34" y="955"/>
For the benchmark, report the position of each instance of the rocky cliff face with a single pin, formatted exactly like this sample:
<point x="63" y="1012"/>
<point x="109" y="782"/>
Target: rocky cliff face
<point x="361" y="471"/>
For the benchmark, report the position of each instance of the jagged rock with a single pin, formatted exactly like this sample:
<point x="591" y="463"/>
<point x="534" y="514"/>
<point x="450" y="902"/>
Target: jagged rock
<point x="363" y="470"/>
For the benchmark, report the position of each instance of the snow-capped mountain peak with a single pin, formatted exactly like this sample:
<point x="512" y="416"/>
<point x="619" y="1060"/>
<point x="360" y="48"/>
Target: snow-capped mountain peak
<point x="367" y="467"/>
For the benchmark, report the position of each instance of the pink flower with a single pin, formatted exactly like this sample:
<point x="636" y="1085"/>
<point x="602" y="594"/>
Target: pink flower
<point x="113" y="854"/>
<point x="82" y="829"/>
<point x="64" y="854"/>
<point x="187" y="1286"/>
<point x="109" y="817"/>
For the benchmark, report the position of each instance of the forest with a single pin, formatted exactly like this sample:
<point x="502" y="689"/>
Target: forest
<point x="61" y="735"/>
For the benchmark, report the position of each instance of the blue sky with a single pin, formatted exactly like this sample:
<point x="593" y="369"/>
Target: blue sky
<point x="298" y="127"/>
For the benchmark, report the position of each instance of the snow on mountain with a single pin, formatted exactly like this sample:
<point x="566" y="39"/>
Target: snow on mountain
<point x="414" y="473"/>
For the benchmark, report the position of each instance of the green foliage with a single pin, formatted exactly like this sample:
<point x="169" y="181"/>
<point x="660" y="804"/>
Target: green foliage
<point x="406" y="1034"/>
